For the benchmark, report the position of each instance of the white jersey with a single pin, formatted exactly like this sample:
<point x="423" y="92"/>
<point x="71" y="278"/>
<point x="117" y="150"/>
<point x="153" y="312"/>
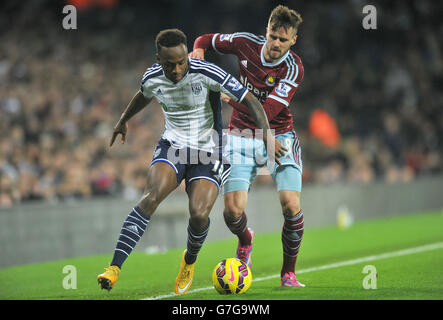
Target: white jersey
<point x="192" y="106"/>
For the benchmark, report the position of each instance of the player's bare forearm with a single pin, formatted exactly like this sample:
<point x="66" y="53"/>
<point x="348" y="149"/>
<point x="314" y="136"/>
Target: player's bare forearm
<point x="201" y="44"/>
<point x="137" y="103"/>
<point x="259" y="115"/>
<point x="198" y="54"/>
<point x="256" y="111"/>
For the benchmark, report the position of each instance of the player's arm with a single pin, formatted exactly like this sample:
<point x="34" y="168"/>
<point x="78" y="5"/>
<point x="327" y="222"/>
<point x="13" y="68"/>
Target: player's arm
<point x="258" y="114"/>
<point x="236" y="105"/>
<point x="137" y="103"/>
<point x="220" y="81"/>
<point x="201" y="44"/>
<point x="272" y="107"/>
<point x="221" y="43"/>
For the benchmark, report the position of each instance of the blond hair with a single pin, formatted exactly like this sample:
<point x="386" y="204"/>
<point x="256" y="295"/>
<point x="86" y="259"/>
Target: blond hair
<point x="284" y="17"/>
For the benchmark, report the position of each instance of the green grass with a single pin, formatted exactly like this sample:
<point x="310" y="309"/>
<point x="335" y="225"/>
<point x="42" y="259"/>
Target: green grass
<point x="413" y="276"/>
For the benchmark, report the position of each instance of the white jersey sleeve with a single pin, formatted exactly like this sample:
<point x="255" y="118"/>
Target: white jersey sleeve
<point x="151" y="72"/>
<point x="219" y="80"/>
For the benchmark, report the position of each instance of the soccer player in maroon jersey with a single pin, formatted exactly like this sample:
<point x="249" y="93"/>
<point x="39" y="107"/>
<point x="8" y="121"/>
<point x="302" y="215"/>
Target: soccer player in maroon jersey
<point x="272" y="72"/>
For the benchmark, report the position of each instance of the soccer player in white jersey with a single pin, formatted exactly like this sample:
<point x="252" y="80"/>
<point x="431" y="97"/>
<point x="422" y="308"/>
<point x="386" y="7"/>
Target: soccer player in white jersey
<point x="189" y="92"/>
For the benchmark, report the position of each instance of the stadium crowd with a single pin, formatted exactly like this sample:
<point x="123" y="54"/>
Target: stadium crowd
<point x="61" y="92"/>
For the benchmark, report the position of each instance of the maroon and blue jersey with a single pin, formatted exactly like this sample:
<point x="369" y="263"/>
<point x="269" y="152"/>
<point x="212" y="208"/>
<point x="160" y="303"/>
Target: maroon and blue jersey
<point x="274" y="84"/>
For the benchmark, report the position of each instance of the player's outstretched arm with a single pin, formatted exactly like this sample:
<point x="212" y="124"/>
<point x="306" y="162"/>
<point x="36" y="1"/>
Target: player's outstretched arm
<point x="198" y="54"/>
<point x="259" y="115"/>
<point x="256" y="111"/>
<point x="201" y="44"/>
<point x="137" y="103"/>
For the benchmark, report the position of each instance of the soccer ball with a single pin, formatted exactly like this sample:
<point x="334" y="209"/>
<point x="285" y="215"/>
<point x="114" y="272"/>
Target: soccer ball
<point x="232" y="276"/>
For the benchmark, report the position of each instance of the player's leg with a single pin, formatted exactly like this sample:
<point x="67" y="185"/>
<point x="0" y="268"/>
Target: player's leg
<point x="236" y="220"/>
<point x="292" y="235"/>
<point x="289" y="183"/>
<point x="234" y="214"/>
<point x="161" y="180"/>
<point x="202" y="194"/>
<point x="243" y="173"/>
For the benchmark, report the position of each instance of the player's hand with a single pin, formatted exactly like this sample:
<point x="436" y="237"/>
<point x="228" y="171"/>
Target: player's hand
<point x="197" y="54"/>
<point x="279" y="150"/>
<point x="120" y="128"/>
<point x="225" y="97"/>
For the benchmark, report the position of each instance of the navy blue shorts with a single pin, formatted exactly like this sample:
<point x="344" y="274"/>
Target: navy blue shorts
<point x="191" y="164"/>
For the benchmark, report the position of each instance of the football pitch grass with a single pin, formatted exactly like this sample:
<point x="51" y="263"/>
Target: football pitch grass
<point x="406" y="251"/>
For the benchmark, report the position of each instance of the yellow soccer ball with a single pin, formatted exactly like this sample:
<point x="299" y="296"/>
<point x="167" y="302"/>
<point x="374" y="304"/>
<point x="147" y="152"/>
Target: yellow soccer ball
<point x="232" y="276"/>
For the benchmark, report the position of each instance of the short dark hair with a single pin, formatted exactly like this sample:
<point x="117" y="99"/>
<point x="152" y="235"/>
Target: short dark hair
<point x="284" y="17"/>
<point x="170" y="38"/>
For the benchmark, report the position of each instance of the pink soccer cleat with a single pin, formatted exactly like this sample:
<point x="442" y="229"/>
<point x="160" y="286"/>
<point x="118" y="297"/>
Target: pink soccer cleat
<point x="289" y="280"/>
<point x="244" y="252"/>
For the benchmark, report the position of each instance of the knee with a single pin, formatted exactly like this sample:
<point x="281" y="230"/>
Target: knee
<point x="233" y="210"/>
<point x="199" y="212"/>
<point x="149" y="202"/>
<point x="291" y="207"/>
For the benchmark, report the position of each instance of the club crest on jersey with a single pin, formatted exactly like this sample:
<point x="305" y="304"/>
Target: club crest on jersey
<point x="196" y="88"/>
<point x="270" y="80"/>
<point x="283" y="89"/>
<point x="234" y="84"/>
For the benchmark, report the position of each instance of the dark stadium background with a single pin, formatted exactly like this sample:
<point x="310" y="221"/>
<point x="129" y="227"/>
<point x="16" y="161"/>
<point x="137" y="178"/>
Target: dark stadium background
<point x="61" y="91"/>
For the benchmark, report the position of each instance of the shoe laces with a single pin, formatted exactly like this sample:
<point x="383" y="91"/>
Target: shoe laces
<point x="242" y="252"/>
<point x="289" y="277"/>
<point x="186" y="272"/>
<point x="112" y="270"/>
<point x="289" y="280"/>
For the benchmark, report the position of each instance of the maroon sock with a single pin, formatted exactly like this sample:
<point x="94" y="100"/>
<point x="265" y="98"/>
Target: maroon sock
<point x="291" y="236"/>
<point x="238" y="226"/>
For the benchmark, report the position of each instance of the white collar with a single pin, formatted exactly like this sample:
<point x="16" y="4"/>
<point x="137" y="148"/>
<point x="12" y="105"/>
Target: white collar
<point x="273" y="64"/>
